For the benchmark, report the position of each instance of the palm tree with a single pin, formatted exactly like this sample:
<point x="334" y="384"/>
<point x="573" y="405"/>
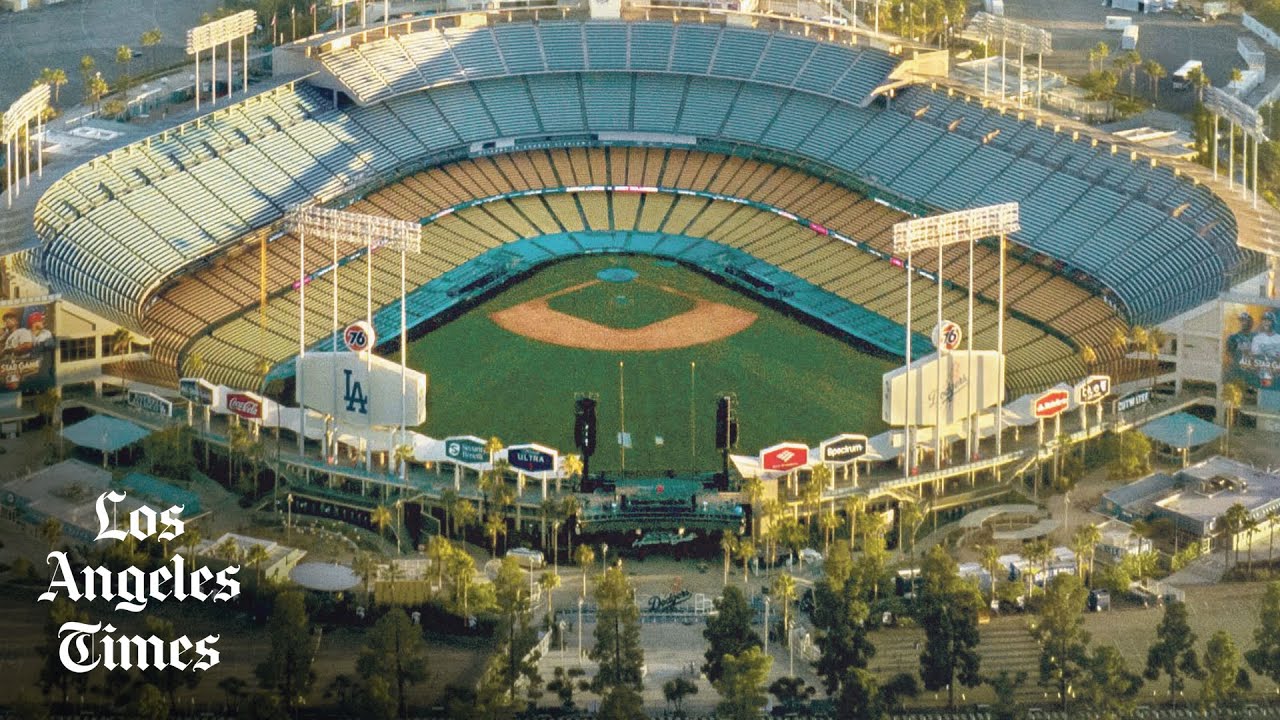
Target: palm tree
<point x="449" y="500"/>
<point x="121" y="341"/>
<point x="256" y="556"/>
<point x="746" y="551"/>
<point x="812" y="497"/>
<point x="94" y="90"/>
<point x="584" y="556"/>
<point x="151" y="38"/>
<point x="547" y="510"/>
<point x="571" y="466"/>
<point x="51" y="531"/>
<point x="1155" y="71"/>
<point x="1250" y="527"/>
<point x="191" y="538"/>
<point x="55" y="78"/>
<point x="1087" y="356"/>
<point x="991" y="563"/>
<point x="493" y="527"/>
<point x="753" y="488"/>
<point x="439" y="549"/>
<point x="1156" y="338"/>
<point x="827" y="523"/>
<point x="1200" y="80"/>
<point x="549" y="581"/>
<point x="228" y="550"/>
<point x="403" y="454"/>
<point x="1088" y="537"/>
<point x="1120" y="341"/>
<point x="1272" y="516"/>
<point x="1129" y="61"/>
<point x="124" y="56"/>
<point x="784" y="591"/>
<point x="852" y="508"/>
<point x="569" y="509"/>
<point x="1101" y="51"/>
<point x="1232" y="398"/>
<point x="1233" y="521"/>
<point x="729" y="544"/>
<point x="1037" y="553"/>
<point x="381" y="518"/>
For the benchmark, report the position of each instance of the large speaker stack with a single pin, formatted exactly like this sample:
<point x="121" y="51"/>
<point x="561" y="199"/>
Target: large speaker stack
<point x="726" y="433"/>
<point x="584" y="436"/>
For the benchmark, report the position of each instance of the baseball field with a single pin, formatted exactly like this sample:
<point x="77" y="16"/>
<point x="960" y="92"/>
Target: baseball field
<point x="656" y="343"/>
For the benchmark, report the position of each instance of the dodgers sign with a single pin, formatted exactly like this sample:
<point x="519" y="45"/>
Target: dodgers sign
<point x="843" y="449"/>
<point x="465" y="450"/>
<point x="361" y="390"/>
<point x="531" y="458"/>
<point x="784" y="456"/>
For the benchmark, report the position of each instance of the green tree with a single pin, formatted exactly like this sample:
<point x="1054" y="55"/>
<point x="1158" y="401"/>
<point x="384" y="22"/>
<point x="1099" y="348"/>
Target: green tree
<point x="255" y="557"/>
<point x="1063" y="639"/>
<point x="1154" y="71"/>
<point x="1173" y="653"/>
<point x="1130" y="456"/>
<point x="168" y="679"/>
<point x="88" y="66"/>
<point x="784" y="593"/>
<point x="948" y="611"/>
<point x="548" y="582"/>
<point x="1108" y="686"/>
<point x="1224" y="679"/>
<point x="728" y="544"/>
<point x="675" y="690"/>
<point x="394" y="651"/>
<point x="728" y="631"/>
<point x="149" y="704"/>
<point x="94" y="89"/>
<point x="286" y="670"/>
<point x="169" y="452"/>
<point x="53" y="674"/>
<point x="1005" y="685"/>
<point x="840" y="617"/>
<point x="741" y="685"/>
<point x="564" y="683"/>
<point x="622" y="702"/>
<point x="1264" y="658"/>
<point x="511" y="590"/>
<point x="617" y="649"/>
<point x="51" y="531"/>
<point x="791" y="692"/>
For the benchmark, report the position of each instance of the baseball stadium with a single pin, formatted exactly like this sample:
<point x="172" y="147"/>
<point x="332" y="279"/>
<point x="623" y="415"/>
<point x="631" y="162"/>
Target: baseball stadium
<point x="655" y="209"/>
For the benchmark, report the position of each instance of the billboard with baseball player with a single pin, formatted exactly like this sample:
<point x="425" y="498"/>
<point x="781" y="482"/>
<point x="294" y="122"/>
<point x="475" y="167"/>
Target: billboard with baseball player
<point x="1251" y="345"/>
<point x="27" y="346"/>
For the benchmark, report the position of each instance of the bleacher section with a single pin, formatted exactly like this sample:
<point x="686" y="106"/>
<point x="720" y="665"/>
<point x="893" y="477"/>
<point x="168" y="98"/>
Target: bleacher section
<point x="380" y="69"/>
<point x="764" y="252"/>
<point x="118" y="229"/>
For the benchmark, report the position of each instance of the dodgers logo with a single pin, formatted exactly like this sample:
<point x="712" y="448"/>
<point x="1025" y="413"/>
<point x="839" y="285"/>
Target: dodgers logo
<point x="354" y="395"/>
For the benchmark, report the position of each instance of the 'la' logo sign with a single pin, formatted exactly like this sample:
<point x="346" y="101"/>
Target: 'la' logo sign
<point x="354" y="395"/>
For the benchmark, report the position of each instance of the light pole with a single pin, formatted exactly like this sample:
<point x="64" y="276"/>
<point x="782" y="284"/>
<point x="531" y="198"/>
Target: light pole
<point x="289" y="525"/>
<point x="604" y="557"/>
<point x="766" y="625"/>
<point x="580" y="599"/>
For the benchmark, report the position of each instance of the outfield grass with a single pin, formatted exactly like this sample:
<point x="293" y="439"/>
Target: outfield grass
<point x="792" y="381"/>
<point x="623" y="306"/>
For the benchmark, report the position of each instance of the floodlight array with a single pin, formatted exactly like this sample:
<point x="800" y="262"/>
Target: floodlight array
<point x="962" y="226"/>
<point x="328" y="224"/>
<point x="221" y="31"/>
<point x="24" y="110"/>
<point x="1224" y="104"/>
<point x="1032" y="39"/>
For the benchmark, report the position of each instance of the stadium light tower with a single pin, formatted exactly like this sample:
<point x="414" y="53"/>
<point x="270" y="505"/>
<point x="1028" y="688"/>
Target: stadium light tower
<point x="16" y="126"/>
<point x="939" y="231"/>
<point x="1225" y="105"/>
<point x="209" y="36"/>
<point x="348" y="228"/>
<point x="1028" y="39"/>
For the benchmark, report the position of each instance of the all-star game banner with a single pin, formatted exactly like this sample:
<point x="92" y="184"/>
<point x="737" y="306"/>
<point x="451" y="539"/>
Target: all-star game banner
<point x="27" y="346"/>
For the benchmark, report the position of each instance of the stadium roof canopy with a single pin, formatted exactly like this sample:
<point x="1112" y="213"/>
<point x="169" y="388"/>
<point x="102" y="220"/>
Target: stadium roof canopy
<point x="1181" y="430"/>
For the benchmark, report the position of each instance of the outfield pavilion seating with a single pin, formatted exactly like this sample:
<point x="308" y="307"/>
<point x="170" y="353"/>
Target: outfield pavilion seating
<point x="815" y="274"/>
<point x="107" y="249"/>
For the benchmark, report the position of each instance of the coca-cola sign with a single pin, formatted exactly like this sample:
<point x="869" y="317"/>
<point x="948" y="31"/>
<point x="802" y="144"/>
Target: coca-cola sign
<point x="246" y="405"/>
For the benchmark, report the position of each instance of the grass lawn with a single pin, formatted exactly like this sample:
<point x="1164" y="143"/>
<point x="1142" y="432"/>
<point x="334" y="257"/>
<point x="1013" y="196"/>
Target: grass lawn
<point x="621" y="305"/>
<point x="792" y="381"/>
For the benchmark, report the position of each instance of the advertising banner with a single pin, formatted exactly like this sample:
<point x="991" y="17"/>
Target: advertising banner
<point x="245" y="404"/>
<point x="843" y="449"/>
<point x="465" y="450"/>
<point x="784" y="456"/>
<point x="1051" y="403"/>
<point x="149" y="402"/>
<point x="1092" y="389"/>
<point x="1251" y="346"/>
<point x="361" y="391"/>
<point x="531" y="458"/>
<point x="198" y="391"/>
<point x="27" y="347"/>
<point x="1134" y="399"/>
